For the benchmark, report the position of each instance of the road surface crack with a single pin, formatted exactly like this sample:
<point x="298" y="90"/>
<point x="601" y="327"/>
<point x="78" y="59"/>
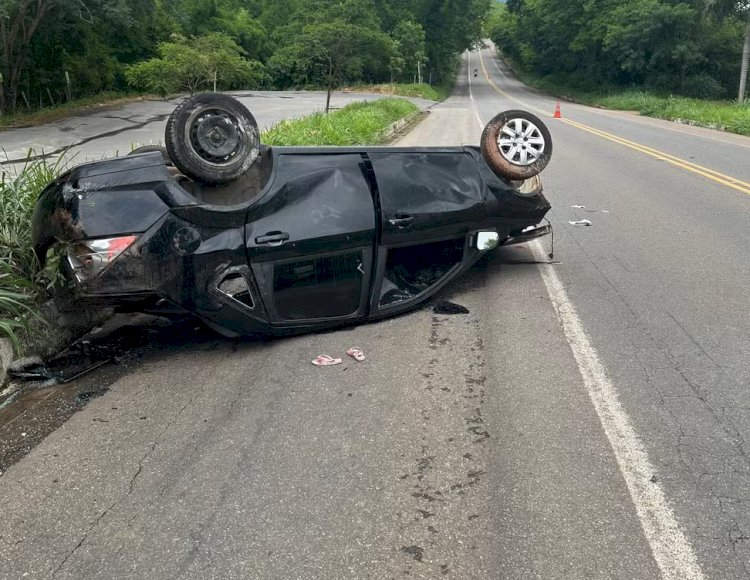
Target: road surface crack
<point x="85" y="537"/>
<point x="61" y="150"/>
<point x="139" y="470"/>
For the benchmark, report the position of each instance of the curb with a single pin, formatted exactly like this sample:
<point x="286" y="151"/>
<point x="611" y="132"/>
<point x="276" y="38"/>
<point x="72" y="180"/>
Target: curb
<point x="7" y="355"/>
<point x="61" y="331"/>
<point x="394" y="128"/>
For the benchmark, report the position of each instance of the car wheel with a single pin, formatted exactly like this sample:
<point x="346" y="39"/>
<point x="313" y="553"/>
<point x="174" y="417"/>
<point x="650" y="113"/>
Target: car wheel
<point x="151" y="149"/>
<point x="212" y="138"/>
<point x="516" y="145"/>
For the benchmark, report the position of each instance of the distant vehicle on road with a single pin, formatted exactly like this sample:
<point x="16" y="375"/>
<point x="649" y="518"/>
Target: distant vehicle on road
<point x="252" y="239"/>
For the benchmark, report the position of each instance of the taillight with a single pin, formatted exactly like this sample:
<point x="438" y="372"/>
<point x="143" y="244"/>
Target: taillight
<point x="89" y="258"/>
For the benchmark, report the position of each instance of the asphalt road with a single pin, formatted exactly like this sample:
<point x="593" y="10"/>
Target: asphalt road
<point x="587" y="419"/>
<point x="118" y="130"/>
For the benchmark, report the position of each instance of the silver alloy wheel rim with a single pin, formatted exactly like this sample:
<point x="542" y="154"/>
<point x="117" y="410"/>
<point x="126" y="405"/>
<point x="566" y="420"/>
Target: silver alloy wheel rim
<point x="521" y="142"/>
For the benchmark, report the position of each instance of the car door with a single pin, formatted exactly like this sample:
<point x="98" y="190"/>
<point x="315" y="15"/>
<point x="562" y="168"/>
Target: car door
<point x="431" y="201"/>
<point x="310" y="239"/>
<point x="427" y="194"/>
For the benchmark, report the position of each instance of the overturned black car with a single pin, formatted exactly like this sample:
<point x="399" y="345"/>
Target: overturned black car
<point x="285" y="239"/>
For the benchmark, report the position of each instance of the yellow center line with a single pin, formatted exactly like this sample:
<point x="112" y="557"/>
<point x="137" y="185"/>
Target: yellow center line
<point x="711" y="174"/>
<point x="506" y="95"/>
<point x="737" y="184"/>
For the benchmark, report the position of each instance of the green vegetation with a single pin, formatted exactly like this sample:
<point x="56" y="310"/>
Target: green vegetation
<point x="57" y="51"/>
<point x="355" y="124"/>
<point x="723" y="115"/>
<point x="423" y="91"/>
<point x="692" y="48"/>
<point x="21" y="285"/>
<point x="194" y="64"/>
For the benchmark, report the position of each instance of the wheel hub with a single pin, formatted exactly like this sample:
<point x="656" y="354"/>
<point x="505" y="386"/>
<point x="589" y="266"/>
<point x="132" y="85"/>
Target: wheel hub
<point x="216" y="136"/>
<point x="521" y="142"/>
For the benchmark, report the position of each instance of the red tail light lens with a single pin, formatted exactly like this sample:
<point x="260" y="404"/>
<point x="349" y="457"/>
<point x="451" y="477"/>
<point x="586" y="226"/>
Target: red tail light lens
<point x="89" y="258"/>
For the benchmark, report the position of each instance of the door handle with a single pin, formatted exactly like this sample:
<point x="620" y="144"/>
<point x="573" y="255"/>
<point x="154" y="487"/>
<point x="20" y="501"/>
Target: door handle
<point x="401" y="221"/>
<point x="272" y="239"/>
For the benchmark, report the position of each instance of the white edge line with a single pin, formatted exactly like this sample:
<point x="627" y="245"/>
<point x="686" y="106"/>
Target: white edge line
<point x="479" y="120"/>
<point x="471" y="94"/>
<point x="468" y="74"/>
<point x="670" y="547"/>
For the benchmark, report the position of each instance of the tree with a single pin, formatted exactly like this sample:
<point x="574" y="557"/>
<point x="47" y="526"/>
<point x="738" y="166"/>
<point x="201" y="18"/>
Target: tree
<point x="191" y="64"/>
<point x="411" y="46"/>
<point x="451" y="26"/>
<point x="335" y="51"/>
<point x="648" y="38"/>
<point x="689" y="47"/>
<point x="745" y="61"/>
<point x="94" y="42"/>
<point x="723" y="8"/>
<point x="19" y="22"/>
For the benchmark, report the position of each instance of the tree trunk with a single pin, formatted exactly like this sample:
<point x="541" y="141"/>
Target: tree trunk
<point x="745" y="62"/>
<point x="16" y="34"/>
<point x="328" y="97"/>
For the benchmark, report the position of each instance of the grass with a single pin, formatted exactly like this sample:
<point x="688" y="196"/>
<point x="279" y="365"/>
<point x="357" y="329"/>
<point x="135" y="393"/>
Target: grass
<point x="50" y="114"/>
<point x="20" y="274"/>
<point x="364" y="123"/>
<point x="424" y="91"/>
<point x="727" y="116"/>
<point x="723" y="115"/>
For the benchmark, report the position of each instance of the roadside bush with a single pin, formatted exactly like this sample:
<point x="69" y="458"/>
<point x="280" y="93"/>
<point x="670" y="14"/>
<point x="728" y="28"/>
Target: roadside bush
<point x="702" y="86"/>
<point x="21" y="284"/>
<point x="362" y="123"/>
<point x="191" y="64"/>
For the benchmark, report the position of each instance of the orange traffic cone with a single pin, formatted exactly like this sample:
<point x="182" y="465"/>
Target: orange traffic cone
<point x="557" y="115"/>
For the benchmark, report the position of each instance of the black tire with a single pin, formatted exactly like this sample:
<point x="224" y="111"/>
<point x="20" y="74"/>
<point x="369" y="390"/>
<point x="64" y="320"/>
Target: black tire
<point x="212" y="138"/>
<point x="523" y="155"/>
<point x="151" y="149"/>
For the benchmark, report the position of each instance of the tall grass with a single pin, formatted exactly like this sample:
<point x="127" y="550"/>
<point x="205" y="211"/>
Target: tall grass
<point x="19" y="268"/>
<point x="723" y="115"/>
<point x="362" y="123"/>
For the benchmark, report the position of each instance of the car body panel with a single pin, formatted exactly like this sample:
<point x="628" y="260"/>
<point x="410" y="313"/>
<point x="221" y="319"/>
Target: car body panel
<point x="320" y="244"/>
<point x="427" y="195"/>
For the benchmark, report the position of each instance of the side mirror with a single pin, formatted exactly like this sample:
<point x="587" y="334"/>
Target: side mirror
<point x="487" y="241"/>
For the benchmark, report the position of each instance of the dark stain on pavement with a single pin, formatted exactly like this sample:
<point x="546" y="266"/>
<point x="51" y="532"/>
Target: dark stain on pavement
<point x="414" y="551"/>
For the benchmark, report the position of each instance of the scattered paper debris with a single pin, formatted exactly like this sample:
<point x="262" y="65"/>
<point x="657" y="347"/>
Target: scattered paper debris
<point x="591" y="210"/>
<point x="581" y="223"/>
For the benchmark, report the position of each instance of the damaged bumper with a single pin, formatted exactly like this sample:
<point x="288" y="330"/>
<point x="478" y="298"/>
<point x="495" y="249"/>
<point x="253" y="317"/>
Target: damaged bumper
<point x="528" y="234"/>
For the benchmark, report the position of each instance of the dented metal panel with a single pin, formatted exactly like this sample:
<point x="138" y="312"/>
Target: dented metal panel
<point x="320" y="236"/>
